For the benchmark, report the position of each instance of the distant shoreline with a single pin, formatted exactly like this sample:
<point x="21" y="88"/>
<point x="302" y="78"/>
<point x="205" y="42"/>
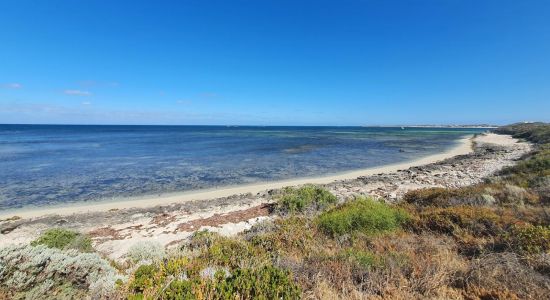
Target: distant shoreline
<point x="438" y="126"/>
<point x="464" y="146"/>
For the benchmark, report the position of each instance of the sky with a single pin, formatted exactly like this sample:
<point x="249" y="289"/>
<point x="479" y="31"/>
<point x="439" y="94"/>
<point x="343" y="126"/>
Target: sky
<point x="274" y="62"/>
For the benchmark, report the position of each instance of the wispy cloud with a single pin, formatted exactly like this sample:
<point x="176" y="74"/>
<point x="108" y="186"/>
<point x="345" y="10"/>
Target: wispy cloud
<point x="184" y="102"/>
<point x="95" y="83"/>
<point x="12" y="85"/>
<point x="86" y="103"/>
<point x="77" y="93"/>
<point x="17" y="112"/>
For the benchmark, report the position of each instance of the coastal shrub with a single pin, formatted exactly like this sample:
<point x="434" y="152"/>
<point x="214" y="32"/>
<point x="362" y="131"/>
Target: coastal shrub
<point x="482" y="194"/>
<point x="537" y="132"/>
<point x="267" y="282"/>
<point x="370" y="259"/>
<point x="336" y="270"/>
<point x="444" y="197"/>
<point x="233" y="253"/>
<point x="512" y="195"/>
<point x="532" y="172"/>
<point x="363" y="258"/>
<point x="218" y="268"/>
<point x="308" y="197"/>
<point x="184" y="279"/>
<point x="503" y="276"/>
<point x="200" y="239"/>
<point x="146" y="251"/>
<point x="475" y="229"/>
<point x="361" y="215"/>
<point x="144" y="278"/>
<point x="428" y="196"/>
<point x="184" y="289"/>
<point x="293" y="235"/>
<point x="529" y="239"/>
<point x="40" y="272"/>
<point x="479" y="221"/>
<point x="399" y="265"/>
<point x="149" y="281"/>
<point x="538" y="164"/>
<point x="64" y="239"/>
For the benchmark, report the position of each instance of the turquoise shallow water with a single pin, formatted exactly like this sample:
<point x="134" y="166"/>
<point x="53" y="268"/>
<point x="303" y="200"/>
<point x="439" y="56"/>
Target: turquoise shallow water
<point x="47" y="164"/>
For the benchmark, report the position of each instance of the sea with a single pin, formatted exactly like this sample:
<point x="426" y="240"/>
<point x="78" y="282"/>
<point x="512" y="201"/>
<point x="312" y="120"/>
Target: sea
<point x="43" y="165"/>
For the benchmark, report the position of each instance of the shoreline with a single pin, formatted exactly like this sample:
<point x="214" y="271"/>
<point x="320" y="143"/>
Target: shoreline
<point x="463" y="147"/>
<point x="114" y="231"/>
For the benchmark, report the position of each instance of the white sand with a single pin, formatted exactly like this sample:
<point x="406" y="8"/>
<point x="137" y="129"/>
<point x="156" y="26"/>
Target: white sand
<point x="491" y="138"/>
<point x="463" y="147"/>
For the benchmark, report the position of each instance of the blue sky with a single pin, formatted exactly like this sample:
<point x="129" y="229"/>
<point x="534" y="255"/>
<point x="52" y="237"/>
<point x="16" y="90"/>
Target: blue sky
<point x="274" y="62"/>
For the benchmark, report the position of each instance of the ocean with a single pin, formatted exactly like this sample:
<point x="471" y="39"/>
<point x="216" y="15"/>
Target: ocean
<point x="44" y="165"/>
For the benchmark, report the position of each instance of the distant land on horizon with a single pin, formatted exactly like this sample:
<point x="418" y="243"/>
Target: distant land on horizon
<point x="440" y="126"/>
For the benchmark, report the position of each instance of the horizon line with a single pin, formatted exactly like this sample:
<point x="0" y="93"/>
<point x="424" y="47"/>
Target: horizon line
<point x="480" y="125"/>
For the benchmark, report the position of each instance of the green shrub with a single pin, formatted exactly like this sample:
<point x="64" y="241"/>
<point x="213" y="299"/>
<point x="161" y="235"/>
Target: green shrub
<point x="308" y="197"/>
<point x="267" y="282"/>
<point x="532" y="172"/>
<point x="64" y="239"/>
<point x="144" y="278"/>
<point x="181" y="290"/>
<point x="529" y="239"/>
<point x="528" y="172"/>
<point x="361" y="215"/>
<point x="233" y="253"/>
<point x="539" y="164"/>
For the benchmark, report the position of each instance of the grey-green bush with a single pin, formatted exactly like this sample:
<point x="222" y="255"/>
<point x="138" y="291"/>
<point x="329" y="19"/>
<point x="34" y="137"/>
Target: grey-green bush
<point x="39" y="272"/>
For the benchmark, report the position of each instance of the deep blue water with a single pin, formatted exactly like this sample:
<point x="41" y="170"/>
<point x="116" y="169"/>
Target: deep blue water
<point x="47" y="164"/>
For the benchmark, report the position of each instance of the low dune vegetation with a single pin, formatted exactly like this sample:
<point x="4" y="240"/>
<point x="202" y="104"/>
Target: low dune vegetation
<point x="487" y="241"/>
<point x="64" y="239"/>
<point x="536" y="132"/>
<point x="39" y="271"/>
<point x="362" y="215"/>
<point x="308" y="198"/>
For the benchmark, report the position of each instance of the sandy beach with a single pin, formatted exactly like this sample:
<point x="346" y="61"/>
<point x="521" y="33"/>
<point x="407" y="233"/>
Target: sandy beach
<point x="464" y="146"/>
